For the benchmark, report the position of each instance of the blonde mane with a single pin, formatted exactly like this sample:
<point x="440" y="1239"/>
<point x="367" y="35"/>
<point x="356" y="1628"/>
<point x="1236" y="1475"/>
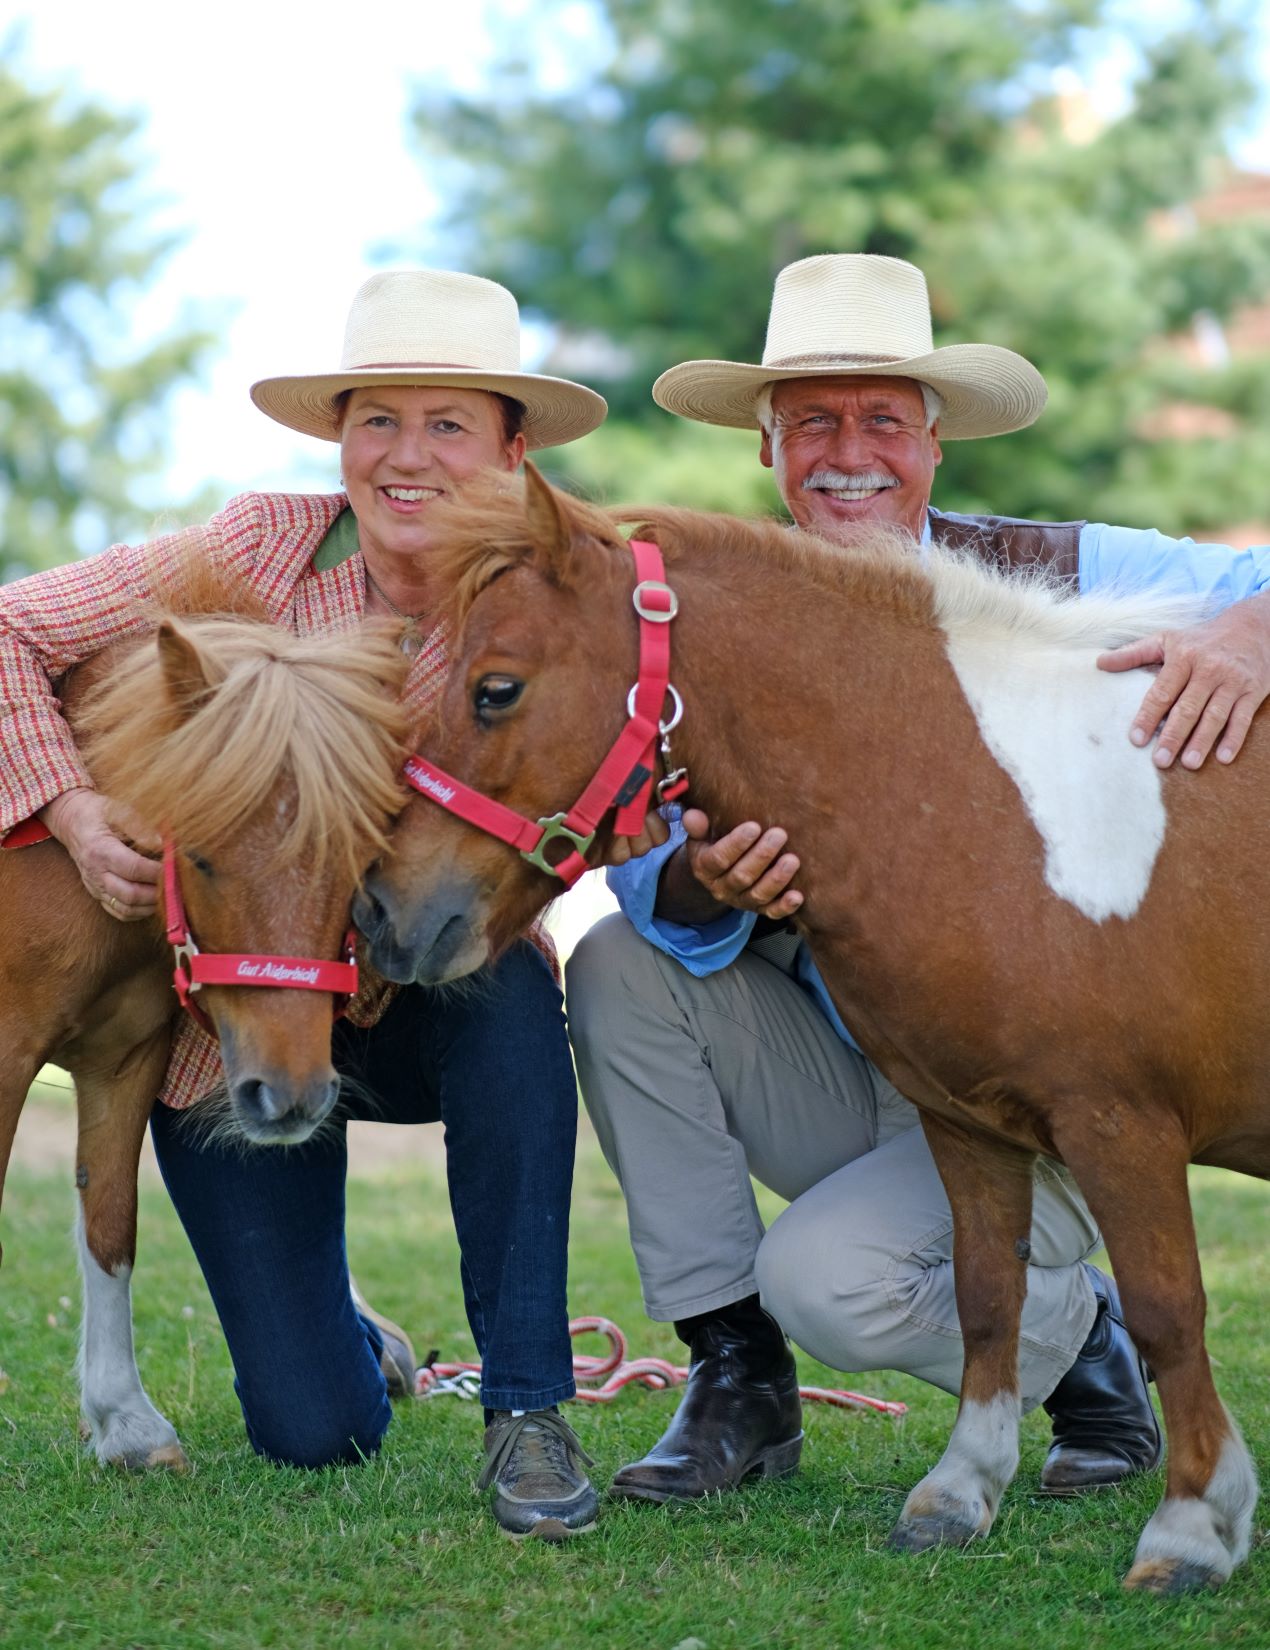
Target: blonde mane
<point x="321" y="714"/>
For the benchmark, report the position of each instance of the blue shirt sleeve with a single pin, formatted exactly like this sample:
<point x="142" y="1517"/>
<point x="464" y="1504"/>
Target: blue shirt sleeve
<point x="1130" y="559"/>
<point x="703" y="949"/>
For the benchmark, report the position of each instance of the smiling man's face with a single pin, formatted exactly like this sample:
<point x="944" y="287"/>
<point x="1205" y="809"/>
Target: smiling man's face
<point x="851" y="450"/>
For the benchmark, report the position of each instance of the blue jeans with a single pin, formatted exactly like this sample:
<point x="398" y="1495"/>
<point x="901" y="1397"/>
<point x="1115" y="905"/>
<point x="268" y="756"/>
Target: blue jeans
<point x="490" y="1059"/>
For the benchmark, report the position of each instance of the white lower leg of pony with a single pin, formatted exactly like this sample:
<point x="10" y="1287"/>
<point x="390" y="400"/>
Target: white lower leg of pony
<point x="1211" y="1532"/>
<point x="126" y="1429"/>
<point x="962" y="1492"/>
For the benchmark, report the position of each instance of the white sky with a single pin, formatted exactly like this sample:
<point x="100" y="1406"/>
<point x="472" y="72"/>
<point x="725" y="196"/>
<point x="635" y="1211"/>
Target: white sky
<point x="277" y="138"/>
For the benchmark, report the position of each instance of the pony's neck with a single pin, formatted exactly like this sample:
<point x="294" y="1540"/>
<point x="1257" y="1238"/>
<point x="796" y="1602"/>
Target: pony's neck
<point x="805" y="710"/>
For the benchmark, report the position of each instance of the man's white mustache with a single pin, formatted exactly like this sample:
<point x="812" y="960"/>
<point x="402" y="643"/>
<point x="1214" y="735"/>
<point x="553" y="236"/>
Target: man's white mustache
<point x="852" y="481"/>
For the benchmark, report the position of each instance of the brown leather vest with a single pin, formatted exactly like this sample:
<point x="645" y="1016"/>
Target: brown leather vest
<point x="1005" y="542"/>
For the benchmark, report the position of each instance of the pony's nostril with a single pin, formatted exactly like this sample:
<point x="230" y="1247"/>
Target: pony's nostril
<point x="256" y="1100"/>
<point x="369" y="914"/>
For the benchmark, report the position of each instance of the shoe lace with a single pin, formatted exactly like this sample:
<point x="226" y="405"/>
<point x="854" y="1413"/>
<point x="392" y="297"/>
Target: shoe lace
<point x="539" y="1440"/>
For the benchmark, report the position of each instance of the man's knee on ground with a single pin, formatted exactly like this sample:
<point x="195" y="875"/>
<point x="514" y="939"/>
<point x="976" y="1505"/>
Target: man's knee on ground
<point x="828" y="1292"/>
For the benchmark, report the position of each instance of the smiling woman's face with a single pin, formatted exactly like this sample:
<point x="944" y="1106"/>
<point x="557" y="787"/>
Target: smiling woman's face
<point x="403" y="446"/>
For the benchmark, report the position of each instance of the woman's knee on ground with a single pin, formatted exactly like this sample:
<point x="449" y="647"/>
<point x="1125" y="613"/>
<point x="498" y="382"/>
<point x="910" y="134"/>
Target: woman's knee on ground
<point x="296" y="1437"/>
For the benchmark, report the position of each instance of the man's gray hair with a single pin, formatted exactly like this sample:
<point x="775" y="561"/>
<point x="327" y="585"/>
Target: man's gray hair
<point x="932" y="401"/>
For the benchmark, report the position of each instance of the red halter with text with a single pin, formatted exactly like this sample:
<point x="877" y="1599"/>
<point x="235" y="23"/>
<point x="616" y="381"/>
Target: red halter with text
<point x="623" y="780"/>
<point x="195" y="969"/>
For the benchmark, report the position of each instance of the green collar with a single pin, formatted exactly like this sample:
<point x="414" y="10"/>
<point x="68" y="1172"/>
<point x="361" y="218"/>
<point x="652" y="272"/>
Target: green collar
<point x="340" y="543"/>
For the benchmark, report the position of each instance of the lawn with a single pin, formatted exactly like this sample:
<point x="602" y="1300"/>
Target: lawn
<point x="400" y="1552"/>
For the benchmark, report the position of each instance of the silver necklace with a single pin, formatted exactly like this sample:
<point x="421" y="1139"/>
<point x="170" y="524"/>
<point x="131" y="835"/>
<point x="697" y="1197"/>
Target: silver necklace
<point x="411" y="635"/>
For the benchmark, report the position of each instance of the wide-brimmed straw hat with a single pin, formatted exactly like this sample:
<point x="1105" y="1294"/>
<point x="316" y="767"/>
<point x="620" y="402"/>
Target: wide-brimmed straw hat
<point x="853" y="314"/>
<point x="433" y="326"/>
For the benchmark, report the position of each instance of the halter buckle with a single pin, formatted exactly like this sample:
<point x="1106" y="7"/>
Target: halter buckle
<point x="553" y="827"/>
<point x="183" y="960"/>
<point x="655" y="587"/>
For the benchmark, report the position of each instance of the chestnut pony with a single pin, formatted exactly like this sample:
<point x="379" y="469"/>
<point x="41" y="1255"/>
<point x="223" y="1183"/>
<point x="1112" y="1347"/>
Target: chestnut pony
<point x="1049" y="945"/>
<point x="272" y="762"/>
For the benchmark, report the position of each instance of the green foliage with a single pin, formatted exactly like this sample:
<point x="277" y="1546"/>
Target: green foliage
<point x="80" y="407"/>
<point x="646" y="209"/>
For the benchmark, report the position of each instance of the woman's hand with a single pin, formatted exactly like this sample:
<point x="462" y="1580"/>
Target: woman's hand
<point x="103" y="837"/>
<point x="625" y="848"/>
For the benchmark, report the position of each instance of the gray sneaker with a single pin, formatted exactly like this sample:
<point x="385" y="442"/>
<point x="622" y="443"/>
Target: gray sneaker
<point x="534" y="1461"/>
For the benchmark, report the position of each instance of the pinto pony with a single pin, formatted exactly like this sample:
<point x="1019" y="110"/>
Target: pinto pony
<point x="1049" y="945"/>
<point x="272" y="762"/>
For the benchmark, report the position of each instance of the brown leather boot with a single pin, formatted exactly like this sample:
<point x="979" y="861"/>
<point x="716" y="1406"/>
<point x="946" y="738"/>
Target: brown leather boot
<point x="1104" y="1426"/>
<point x="740" y="1413"/>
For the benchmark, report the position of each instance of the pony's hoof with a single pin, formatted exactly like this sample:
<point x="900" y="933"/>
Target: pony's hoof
<point x="171" y="1457"/>
<point x="1167" y="1577"/>
<point x="918" y="1535"/>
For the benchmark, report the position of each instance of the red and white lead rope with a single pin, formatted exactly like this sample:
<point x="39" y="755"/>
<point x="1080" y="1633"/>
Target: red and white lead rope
<point x="601" y="1378"/>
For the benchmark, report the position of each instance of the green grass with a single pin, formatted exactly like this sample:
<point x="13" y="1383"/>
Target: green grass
<point x="401" y="1553"/>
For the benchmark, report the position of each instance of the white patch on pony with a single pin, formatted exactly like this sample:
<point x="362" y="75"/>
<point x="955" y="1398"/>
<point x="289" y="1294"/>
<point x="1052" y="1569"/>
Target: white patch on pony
<point x="1024" y="654"/>
<point x="127" y="1430"/>
<point x="1214" y="1532"/>
<point x="967" y="1483"/>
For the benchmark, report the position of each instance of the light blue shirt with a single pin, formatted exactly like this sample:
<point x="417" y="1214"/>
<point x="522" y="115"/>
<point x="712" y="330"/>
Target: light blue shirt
<point x="1118" y="558"/>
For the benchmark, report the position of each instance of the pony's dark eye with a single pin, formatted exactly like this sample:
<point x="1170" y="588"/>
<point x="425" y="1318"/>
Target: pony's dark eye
<point x="497" y="693"/>
<point x="201" y="865"/>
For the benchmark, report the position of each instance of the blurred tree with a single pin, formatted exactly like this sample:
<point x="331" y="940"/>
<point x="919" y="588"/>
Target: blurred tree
<point x="646" y="210"/>
<point x="80" y="409"/>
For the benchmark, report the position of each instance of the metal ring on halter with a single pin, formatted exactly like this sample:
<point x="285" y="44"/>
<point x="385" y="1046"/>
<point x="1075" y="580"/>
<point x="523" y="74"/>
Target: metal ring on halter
<point x="676" y="715"/>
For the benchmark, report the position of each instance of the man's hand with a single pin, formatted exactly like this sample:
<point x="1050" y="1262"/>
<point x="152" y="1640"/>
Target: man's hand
<point x="746" y="870"/>
<point x="624" y="848"/>
<point x="99" y="835"/>
<point x="1213" y="678"/>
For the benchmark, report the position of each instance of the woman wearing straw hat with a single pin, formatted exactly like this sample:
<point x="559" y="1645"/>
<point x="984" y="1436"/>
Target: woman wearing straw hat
<point x="429" y="391"/>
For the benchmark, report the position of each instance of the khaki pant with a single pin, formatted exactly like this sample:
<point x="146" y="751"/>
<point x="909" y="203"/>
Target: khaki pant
<point x="694" y="1085"/>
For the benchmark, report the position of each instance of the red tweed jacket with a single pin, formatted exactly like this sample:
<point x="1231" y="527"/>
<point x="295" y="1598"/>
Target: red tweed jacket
<point x="57" y="619"/>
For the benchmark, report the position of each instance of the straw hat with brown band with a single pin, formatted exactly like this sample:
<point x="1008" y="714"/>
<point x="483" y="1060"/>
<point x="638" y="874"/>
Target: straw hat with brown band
<point x="433" y="326"/>
<point x="852" y="314"/>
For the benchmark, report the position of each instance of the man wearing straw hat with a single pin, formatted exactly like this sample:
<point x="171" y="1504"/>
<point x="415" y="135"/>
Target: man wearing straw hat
<point x="707" y="1047"/>
<point x="429" y="391"/>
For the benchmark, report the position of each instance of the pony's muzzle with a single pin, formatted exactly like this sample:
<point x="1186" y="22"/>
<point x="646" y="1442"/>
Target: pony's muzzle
<point x="282" y="1113"/>
<point x="429" y="940"/>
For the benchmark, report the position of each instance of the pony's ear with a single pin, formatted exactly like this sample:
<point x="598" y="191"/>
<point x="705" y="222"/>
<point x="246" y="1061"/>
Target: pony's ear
<point x="184" y="674"/>
<point x="549" y="530"/>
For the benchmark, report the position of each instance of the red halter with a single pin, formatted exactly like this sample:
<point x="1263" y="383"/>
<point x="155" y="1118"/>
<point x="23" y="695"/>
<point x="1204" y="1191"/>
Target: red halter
<point x="195" y="969"/>
<point x="625" y="777"/>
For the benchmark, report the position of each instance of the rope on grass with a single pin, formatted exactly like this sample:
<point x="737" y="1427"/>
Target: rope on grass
<point x="601" y="1377"/>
